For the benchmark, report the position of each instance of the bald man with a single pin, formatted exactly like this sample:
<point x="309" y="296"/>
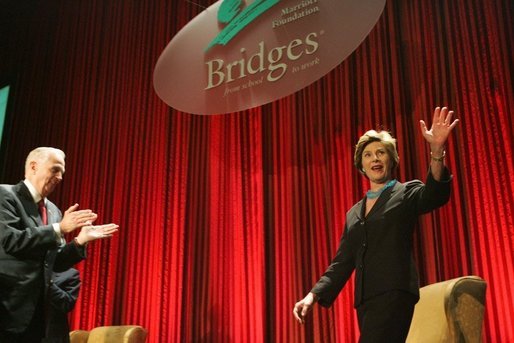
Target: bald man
<point x="32" y="244"/>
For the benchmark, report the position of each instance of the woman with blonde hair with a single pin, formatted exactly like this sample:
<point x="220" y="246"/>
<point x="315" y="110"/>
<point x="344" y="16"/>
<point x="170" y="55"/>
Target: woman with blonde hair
<point x="377" y="238"/>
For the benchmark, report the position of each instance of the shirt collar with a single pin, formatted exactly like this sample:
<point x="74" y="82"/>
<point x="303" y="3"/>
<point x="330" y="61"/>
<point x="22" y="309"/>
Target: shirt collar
<point x="35" y="195"/>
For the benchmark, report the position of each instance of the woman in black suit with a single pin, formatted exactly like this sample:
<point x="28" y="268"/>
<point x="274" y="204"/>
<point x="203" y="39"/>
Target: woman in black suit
<point x="377" y="239"/>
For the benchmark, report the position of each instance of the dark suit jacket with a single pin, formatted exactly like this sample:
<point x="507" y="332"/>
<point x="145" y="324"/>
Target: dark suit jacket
<point x="29" y="252"/>
<point x="62" y="295"/>
<point x="379" y="246"/>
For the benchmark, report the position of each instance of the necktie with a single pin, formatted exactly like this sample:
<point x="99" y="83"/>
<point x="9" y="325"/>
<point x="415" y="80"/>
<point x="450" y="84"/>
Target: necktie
<point x="42" y="211"/>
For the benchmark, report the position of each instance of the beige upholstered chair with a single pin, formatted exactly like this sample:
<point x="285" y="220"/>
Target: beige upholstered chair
<point x="79" y="336"/>
<point x="111" y="334"/>
<point x="449" y="311"/>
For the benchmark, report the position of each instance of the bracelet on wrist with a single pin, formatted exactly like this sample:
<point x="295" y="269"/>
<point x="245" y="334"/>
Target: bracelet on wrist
<point x="438" y="159"/>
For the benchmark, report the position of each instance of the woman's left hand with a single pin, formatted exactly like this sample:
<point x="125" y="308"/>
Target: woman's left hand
<point x="442" y="125"/>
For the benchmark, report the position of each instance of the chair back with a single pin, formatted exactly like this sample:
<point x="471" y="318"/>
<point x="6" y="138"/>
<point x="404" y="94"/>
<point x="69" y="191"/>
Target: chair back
<point x="449" y="311"/>
<point x="79" y="336"/>
<point x="111" y="334"/>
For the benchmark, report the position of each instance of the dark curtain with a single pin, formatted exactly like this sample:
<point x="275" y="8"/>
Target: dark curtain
<point x="227" y="220"/>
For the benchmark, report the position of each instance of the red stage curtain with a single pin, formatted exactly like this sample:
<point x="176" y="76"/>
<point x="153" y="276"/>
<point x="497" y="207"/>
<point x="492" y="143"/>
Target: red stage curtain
<point x="226" y="221"/>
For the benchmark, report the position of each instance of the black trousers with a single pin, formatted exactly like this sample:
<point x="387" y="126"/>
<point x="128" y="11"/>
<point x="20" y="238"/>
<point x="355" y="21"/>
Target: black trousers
<point x="386" y="317"/>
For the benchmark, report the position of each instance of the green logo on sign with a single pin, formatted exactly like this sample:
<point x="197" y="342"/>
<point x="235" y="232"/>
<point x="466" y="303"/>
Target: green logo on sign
<point x="230" y="13"/>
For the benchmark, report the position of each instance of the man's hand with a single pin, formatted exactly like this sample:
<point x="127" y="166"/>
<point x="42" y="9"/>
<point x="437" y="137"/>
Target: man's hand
<point x="303" y="307"/>
<point x="74" y="219"/>
<point x="91" y="233"/>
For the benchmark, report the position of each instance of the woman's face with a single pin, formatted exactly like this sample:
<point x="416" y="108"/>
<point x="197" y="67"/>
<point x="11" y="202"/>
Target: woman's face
<point x="376" y="163"/>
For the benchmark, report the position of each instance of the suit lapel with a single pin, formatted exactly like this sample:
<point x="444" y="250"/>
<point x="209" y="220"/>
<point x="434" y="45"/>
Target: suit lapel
<point x="360" y="209"/>
<point x="28" y="203"/>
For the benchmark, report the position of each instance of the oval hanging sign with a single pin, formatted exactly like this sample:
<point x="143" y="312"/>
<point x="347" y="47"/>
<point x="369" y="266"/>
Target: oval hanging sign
<point x="240" y="54"/>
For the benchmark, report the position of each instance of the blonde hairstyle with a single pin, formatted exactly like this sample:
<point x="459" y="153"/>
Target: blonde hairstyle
<point x="383" y="137"/>
<point x="41" y="155"/>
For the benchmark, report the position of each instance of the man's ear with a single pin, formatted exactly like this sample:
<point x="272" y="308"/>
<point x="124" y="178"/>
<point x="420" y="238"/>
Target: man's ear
<point x="33" y="166"/>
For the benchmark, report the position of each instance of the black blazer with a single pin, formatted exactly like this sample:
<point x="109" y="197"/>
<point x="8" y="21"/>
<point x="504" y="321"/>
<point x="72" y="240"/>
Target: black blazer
<point x="379" y="246"/>
<point x="29" y="252"/>
<point x="62" y="296"/>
